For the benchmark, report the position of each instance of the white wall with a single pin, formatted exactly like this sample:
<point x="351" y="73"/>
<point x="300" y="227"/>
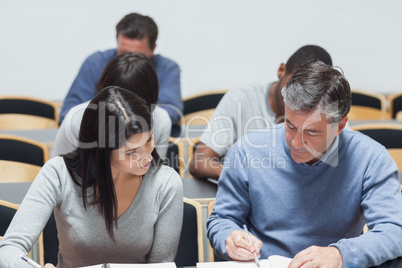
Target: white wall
<point x="217" y="43"/>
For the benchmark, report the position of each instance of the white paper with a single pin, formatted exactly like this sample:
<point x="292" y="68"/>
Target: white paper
<point x="274" y="261"/>
<point x="137" y="265"/>
<point x="233" y="264"/>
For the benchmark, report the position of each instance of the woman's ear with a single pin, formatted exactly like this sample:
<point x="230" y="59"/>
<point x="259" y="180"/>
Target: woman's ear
<point x="281" y="70"/>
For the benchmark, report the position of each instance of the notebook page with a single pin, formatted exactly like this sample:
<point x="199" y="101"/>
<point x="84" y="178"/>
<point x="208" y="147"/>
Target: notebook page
<point x="137" y="265"/>
<point x="277" y="261"/>
<point x="233" y="264"/>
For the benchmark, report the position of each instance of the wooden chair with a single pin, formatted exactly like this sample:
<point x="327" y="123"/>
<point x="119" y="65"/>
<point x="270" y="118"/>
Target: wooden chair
<point x="395" y="106"/>
<point x="389" y="135"/>
<point x="191" y="246"/>
<point x="11" y="171"/>
<point x="396" y="154"/>
<point x="175" y="155"/>
<point x="192" y="145"/>
<point x="19" y="112"/>
<point x="7" y="212"/>
<point x="199" y="108"/>
<point x="19" y="149"/>
<point x="398" y="115"/>
<point x="211" y="253"/>
<point x="21" y="158"/>
<point x="367" y="106"/>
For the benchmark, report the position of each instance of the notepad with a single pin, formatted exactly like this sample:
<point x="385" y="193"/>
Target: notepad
<point x="274" y="261"/>
<point x="138" y="265"/>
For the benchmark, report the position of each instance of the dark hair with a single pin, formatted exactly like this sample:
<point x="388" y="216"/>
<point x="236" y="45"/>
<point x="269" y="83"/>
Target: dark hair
<point x="134" y="72"/>
<point x="137" y="26"/>
<point x="113" y="116"/>
<point x="317" y="86"/>
<point x="306" y="54"/>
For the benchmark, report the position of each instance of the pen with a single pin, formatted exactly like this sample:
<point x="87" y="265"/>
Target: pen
<point x="30" y="262"/>
<point x="257" y="262"/>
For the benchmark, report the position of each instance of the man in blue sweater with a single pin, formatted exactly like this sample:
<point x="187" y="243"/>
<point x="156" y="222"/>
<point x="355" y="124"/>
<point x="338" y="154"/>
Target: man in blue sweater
<point x="135" y="33"/>
<point x="305" y="188"/>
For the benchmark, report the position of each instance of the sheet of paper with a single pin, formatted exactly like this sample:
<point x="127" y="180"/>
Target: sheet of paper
<point x="138" y="265"/>
<point x="233" y="264"/>
<point x="277" y="261"/>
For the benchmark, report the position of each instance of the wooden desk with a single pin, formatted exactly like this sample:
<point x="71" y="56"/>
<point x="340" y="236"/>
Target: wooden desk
<point x="42" y="135"/>
<point x="199" y="190"/>
<point x="364" y="122"/>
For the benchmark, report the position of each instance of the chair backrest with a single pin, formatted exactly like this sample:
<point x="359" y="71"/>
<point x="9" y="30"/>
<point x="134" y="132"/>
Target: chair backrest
<point x="396" y="154"/>
<point x="192" y="145"/>
<point x="199" y="108"/>
<point x="191" y="246"/>
<point x="7" y="212"/>
<point x="19" y="149"/>
<point x="395" y="104"/>
<point x="367" y="106"/>
<point x="19" y="112"/>
<point x="388" y="135"/>
<point x="175" y="155"/>
<point x="51" y="241"/>
<point x="398" y="115"/>
<point x="11" y="171"/>
<point x="211" y="254"/>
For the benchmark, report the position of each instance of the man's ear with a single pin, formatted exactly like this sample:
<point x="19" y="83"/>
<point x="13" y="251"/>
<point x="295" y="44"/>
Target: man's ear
<point x="153" y="48"/>
<point x="281" y="70"/>
<point x="342" y="124"/>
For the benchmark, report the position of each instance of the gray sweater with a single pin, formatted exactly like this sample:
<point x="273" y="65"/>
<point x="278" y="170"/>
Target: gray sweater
<point x="148" y="231"/>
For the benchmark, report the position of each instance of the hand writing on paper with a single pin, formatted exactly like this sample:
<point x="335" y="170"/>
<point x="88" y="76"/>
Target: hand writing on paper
<point x="314" y="257"/>
<point x="49" y="265"/>
<point x="240" y="249"/>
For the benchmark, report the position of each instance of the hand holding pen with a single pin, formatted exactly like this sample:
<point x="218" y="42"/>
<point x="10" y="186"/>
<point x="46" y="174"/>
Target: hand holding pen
<point x="240" y="248"/>
<point x="257" y="262"/>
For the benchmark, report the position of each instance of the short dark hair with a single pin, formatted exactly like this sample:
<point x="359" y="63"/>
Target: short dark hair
<point x="134" y="72"/>
<point x="137" y="26"/>
<point x="110" y="119"/>
<point x="306" y="54"/>
<point x="317" y="86"/>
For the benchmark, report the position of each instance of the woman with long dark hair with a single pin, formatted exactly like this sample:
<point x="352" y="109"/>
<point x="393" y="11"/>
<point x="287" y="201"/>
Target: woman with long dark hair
<point x="113" y="200"/>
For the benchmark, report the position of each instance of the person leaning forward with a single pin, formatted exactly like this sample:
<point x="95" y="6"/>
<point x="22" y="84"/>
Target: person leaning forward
<point x="245" y="109"/>
<point x="306" y="188"/>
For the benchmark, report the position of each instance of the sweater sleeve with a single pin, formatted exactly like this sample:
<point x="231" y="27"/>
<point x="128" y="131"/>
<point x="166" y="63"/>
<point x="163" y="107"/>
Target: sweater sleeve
<point x="170" y="90"/>
<point x="32" y="216"/>
<point x="162" y="129"/>
<point x="381" y="203"/>
<point x="168" y="225"/>
<point x="232" y="205"/>
<point x="83" y="88"/>
<point x="224" y="126"/>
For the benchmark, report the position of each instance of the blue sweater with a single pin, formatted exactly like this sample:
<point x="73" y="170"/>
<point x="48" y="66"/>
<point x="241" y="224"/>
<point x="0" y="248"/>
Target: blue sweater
<point x="291" y="206"/>
<point x="84" y="86"/>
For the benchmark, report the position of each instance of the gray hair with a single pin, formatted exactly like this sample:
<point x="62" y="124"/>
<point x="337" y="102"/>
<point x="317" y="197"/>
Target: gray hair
<point x="316" y="86"/>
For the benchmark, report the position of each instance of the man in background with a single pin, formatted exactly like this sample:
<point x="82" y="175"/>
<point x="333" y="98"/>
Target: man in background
<point x="134" y="33"/>
<point x="244" y="110"/>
